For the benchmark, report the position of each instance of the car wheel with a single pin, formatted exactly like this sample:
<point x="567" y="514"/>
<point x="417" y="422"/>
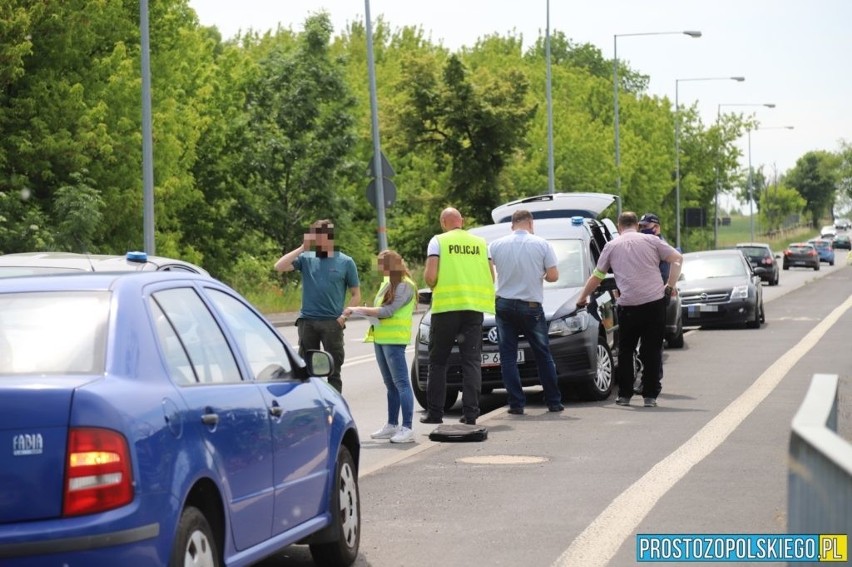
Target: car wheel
<point x="816" y="268"/>
<point x="345" y="508"/>
<point x="600" y="387"/>
<point x="675" y="340"/>
<point x="755" y="323"/>
<point x="762" y="312"/>
<point x="786" y="267"/>
<point x="775" y="279"/>
<point x="195" y="545"/>
<point x="831" y="263"/>
<point x="420" y="394"/>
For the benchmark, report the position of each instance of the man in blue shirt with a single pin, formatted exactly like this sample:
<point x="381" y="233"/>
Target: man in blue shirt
<point x="524" y="262"/>
<point x="327" y="274"/>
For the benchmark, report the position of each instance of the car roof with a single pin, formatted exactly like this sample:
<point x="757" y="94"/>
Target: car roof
<point x="800" y="244"/>
<point x="89" y="281"/>
<point x="549" y="228"/>
<point x="752" y="245"/>
<point x="69" y="261"/>
<point x="712" y="253"/>
<point x="553" y="205"/>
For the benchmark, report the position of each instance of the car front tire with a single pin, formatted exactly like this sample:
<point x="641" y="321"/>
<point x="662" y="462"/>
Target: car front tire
<point x="600" y="387"/>
<point x="195" y="545"/>
<point x="420" y="395"/>
<point x="345" y="508"/>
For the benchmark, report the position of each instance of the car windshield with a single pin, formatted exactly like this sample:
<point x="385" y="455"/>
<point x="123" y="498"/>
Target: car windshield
<point x="822" y="244"/>
<point x="569" y="262"/>
<point x="712" y="267"/>
<point x="53" y="332"/>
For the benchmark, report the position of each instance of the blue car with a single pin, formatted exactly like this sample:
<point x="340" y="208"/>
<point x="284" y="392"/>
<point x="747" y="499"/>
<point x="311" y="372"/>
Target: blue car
<point x="825" y="249"/>
<point x="156" y="418"/>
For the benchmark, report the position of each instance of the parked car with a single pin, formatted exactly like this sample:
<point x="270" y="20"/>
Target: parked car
<point x="156" y="418"/>
<point x="841" y="241"/>
<point x="762" y="260"/>
<point x="583" y="342"/>
<point x="34" y="263"/>
<point x="801" y="254"/>
<point x="824" y="250"/>
<point x="719" y="287"/>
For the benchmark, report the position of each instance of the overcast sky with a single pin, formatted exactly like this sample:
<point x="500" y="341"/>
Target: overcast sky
<point x="796" y="54"/>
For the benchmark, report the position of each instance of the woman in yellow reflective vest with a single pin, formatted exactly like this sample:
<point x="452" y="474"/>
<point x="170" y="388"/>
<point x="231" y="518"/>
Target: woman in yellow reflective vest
<point x="393" y="310"/>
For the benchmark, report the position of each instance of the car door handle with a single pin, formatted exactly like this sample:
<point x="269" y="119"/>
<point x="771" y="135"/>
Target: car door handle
<point x="276" y="411"/>
<point x="210" y="419"/>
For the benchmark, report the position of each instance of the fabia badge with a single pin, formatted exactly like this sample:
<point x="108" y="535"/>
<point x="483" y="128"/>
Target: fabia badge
<point x="27" y="444"/>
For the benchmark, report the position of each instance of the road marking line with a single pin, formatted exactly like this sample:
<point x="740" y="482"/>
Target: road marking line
<point x="598" y="543"/>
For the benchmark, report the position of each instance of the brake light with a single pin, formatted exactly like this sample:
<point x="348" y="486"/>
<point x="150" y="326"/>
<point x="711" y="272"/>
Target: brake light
<point x="97" y="472"/>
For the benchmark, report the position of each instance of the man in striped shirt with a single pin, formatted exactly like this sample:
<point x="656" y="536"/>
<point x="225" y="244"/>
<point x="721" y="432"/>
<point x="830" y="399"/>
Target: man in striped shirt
<point x="634" y="259"/>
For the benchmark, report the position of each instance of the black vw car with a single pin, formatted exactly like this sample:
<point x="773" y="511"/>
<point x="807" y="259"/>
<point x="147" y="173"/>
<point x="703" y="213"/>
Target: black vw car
<point x="583" y="344"/>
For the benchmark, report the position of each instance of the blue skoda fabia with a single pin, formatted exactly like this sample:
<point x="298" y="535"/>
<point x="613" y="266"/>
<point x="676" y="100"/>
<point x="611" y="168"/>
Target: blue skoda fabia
<point x="158" y="419"/>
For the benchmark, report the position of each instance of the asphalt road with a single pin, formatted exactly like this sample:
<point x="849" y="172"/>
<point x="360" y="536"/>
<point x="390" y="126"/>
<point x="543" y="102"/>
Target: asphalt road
<point x="575" y="488"/>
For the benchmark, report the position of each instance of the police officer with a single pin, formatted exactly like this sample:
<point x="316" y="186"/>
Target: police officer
<point x="461" y="276"/>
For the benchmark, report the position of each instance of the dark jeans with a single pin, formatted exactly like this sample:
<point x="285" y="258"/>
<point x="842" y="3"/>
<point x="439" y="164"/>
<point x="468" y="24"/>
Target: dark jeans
<point x="648" y="323"/>
<point x="515" y="317"/>
<point x="450" y="328"/>
<point x="312" y="333"/>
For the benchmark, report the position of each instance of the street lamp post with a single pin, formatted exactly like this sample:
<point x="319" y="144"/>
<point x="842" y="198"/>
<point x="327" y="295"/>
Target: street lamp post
<point x="718" y="180"/>
<point x="751" y="174"/>
<point x="690" y="33"/>
<point x="551" y="180"/>
<point x="677" y="144"/>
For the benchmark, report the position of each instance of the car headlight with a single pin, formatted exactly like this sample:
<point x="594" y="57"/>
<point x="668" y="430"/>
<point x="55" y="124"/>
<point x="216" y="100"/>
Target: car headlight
<point x="423" y="333"/>
<point x="740" y="292"/>
<point x="569" y="325"/>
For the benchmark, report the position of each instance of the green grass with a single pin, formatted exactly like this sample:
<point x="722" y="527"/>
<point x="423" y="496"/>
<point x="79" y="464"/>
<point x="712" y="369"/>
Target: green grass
<point x="740" y="231"/>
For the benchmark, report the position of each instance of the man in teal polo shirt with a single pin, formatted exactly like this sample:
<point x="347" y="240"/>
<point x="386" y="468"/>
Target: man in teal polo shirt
<point x="327" y="274"/>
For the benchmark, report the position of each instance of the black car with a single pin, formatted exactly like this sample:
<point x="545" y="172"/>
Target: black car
<point x="763" y="261"/>
<point x="719" y="287"/>
<point x="583" y="342"/>
<point x="842" y="241"/>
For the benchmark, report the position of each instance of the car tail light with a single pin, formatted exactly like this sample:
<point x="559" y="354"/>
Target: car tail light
<point x="767" y="260"/>
<point x="98" y="472"/>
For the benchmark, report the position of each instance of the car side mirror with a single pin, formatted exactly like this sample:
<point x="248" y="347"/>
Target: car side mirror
<point x="319" y="363"/>
<point x="424" y="296"/>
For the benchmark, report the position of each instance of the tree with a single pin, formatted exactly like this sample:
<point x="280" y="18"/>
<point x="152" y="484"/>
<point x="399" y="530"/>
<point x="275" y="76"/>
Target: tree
<point x="815" y="177"/>
<point x="298" y="136"/>
<point x="472" y="128"/>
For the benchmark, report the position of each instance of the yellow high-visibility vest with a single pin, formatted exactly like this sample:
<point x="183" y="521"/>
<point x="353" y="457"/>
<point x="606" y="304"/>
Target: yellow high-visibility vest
<point x="464" y="274"/>
<point x="396" y="329"/>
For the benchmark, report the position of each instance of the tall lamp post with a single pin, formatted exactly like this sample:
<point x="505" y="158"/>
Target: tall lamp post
<point x="751" y="174"/>
<point x="677" y="143"/>
<point x="718" y="180"/>
<point x="690" y="33"/>
<point x="551" y="180"/>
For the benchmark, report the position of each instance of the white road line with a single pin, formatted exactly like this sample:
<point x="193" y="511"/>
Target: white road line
<point x="598" y="543"/>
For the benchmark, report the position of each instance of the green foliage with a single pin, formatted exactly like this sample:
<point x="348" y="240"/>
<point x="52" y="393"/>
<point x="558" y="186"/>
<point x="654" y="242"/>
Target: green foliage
<point x="815" y="178"/>
<point x="79" y="209"/>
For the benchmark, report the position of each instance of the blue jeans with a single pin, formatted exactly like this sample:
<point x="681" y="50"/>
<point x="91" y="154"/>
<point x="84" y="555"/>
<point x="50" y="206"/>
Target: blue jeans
<point x="516" y="317"/>
<point x="391" y="359"/>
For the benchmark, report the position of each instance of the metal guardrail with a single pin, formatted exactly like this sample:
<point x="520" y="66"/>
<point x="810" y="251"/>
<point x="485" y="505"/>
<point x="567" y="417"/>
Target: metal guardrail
<point x="819" y="486"/>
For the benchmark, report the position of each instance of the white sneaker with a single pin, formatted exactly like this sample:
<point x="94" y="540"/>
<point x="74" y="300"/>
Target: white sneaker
<point x="385" y="432"/>
<point x="404" y="435"/>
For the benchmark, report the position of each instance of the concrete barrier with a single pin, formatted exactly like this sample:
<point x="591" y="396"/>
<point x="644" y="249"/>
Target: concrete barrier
<point x="819" y="486"/>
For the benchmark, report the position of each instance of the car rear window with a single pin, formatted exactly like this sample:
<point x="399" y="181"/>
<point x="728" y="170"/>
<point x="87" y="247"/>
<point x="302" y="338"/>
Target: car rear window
<point x="801" y="249"/>
<point x="53" y="333"/>
<point x="754" y="251"/>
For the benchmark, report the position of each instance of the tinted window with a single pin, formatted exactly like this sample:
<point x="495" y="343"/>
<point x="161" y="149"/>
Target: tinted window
<point x="199" y="335"/>
<point x="261" y="346"/>
<point x="569" y="262"/>
<point x="53" y="332"/>
<point x="755" y="251"/>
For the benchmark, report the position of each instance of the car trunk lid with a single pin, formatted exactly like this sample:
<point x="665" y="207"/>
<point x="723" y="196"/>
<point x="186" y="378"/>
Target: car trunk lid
<point x="33" y="438"/>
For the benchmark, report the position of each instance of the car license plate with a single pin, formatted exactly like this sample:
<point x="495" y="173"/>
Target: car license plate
<point x="709" y="308"/>
<point x="493" y="358"/>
